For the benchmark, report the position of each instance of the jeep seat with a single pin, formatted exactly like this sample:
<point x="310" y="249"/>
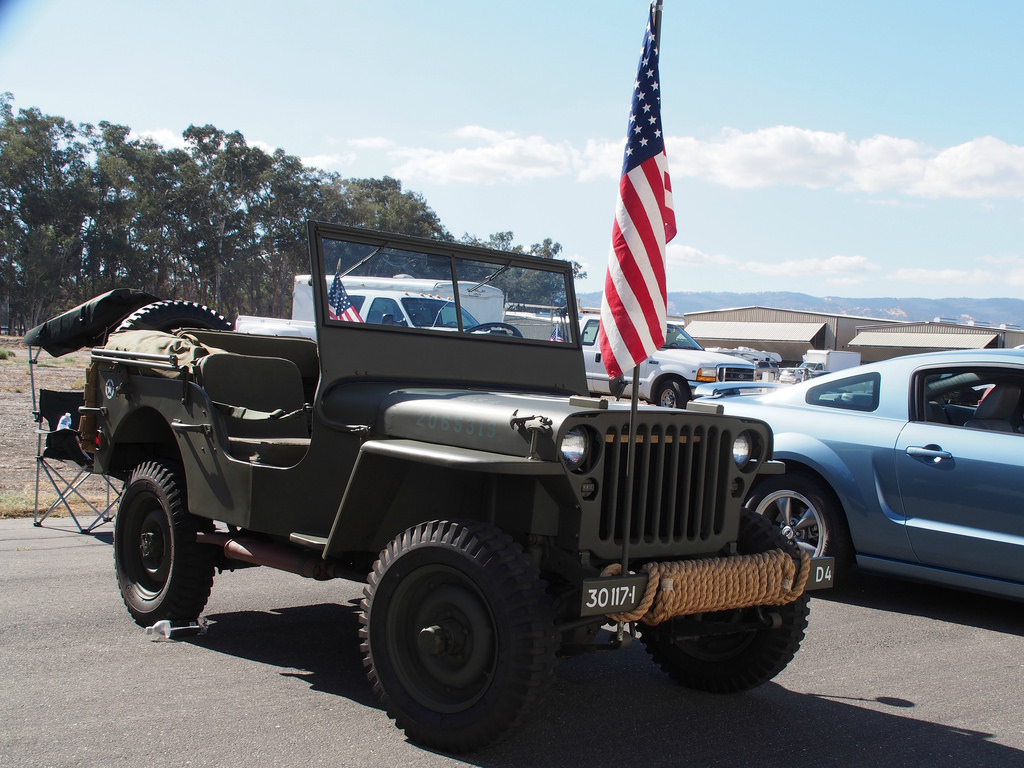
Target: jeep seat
<point x="262" y="404"/>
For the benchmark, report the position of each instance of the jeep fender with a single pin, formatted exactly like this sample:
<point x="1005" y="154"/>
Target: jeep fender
<point x="409" y="481"/>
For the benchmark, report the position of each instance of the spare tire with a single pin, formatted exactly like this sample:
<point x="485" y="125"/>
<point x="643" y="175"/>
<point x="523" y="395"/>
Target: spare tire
<point x="169" y="316"/>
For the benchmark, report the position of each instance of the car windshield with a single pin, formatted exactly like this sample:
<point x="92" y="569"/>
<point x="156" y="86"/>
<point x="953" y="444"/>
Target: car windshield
<point x="435" y="313"/>
<point x="677" y="338"/>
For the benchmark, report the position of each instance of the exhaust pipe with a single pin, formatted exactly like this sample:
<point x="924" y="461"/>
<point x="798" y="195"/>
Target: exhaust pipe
<point x="277" y="556"/>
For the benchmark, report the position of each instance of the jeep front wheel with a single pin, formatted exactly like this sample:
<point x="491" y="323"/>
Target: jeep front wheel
<point x="717" y="660"/>
<point x="457" y="633"/>
<point x="161" y="571"/>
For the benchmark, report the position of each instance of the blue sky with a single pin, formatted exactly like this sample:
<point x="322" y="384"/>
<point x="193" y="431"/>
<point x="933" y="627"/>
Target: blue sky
<point x="832" y="148"/>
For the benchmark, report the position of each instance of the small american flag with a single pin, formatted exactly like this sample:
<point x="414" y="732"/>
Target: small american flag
<point x="633" y="308"/>
<point x="339" y="305"/>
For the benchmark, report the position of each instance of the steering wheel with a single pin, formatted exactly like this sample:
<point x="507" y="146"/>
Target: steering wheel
<point x="505" y="328"/>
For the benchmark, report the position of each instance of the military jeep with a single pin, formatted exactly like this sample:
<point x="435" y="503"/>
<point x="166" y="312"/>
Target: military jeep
<point x="499" y="517"/>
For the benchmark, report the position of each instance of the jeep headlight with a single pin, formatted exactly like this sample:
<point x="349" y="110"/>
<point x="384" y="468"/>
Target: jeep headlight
<point x="707" y="374"/>
<point x="744" y="449"/>
<point x="575" y="448"/>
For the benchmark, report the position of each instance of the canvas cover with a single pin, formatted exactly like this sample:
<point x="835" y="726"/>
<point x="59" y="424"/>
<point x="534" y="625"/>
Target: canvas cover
<point x="88" y="324"/>
<point x="185" y="348"/>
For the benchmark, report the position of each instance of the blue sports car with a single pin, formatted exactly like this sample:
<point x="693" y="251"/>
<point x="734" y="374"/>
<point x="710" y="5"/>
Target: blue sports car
<point x="911" y="467"/>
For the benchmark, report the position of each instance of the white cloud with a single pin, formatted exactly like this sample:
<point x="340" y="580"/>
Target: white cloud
<point x="884" y="164"/>
<point x="982" y="168"/>
<point x="943" y="276"/>
<point x="986" y="167"/>
<point x="329" y="162"/>
<point x="687" y="256"/>
<point x="169" y="139"/>
<point x="166" y="138"/>
<point x="263" y="145"/>
<point x="484" y="134"/>
<point x="372" y="142"/>
<point x="599" y="159"/>
<point x="503" y="158"/>
<point x="995" y="272"/>
<point x="781" y="155"/>
<point x="839" y="269"/>
<point x="834" y="271"/>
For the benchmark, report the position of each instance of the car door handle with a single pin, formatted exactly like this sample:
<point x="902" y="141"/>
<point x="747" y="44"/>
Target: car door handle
<point x="933" y="452"/>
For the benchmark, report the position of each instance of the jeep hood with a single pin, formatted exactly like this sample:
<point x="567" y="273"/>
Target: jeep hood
<point x="486" y="421"/>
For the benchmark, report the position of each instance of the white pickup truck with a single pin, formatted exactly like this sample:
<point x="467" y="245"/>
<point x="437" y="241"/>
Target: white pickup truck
<point x="400" y="300"/>
<point x="669" y="377"/>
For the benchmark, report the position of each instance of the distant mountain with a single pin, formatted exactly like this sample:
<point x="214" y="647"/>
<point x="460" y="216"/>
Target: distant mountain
<point x="990" y="312"/>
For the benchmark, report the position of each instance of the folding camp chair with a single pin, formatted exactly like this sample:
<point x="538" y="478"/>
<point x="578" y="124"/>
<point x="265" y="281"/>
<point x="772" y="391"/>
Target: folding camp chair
<point x="58" y="452"/>
<point x="59" y="456"/>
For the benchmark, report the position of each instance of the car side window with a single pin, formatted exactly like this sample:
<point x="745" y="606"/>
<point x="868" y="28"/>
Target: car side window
<point x="385" y="311"/>
<point x="590" y="332"/>
<point x="981" y="398"/>
<point x="856" y="393"/>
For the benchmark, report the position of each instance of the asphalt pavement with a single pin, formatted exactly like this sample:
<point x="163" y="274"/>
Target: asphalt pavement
<point x="890" y="673"/>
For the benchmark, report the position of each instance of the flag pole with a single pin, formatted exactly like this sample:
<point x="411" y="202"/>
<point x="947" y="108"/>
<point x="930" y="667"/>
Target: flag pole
<point x="627" y="512"/>
<point x="634" y="401"/>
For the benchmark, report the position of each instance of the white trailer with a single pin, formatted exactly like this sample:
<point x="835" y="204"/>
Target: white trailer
<point x="819" y="361"/>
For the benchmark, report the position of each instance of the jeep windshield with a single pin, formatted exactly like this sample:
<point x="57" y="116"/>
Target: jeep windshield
<point x="415" y="290"/>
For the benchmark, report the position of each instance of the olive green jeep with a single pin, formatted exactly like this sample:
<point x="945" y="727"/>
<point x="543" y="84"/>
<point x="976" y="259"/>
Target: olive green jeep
<point x="499" y="517"/>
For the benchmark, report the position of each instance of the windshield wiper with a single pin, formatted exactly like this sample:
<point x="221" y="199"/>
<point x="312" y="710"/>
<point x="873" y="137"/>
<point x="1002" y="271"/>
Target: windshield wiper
<point x="489" y="278"/>
<point x="363" y="260"/>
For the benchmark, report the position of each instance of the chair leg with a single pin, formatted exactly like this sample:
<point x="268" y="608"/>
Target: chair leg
<point x="71" y="487"/>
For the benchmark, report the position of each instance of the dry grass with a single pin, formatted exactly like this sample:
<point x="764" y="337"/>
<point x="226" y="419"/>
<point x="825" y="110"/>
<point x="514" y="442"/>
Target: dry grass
<point x="18" y="429"/>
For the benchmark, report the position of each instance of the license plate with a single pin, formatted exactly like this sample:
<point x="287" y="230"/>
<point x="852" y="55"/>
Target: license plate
<point x="614" y="594"/>
<point x="822" y="573"/>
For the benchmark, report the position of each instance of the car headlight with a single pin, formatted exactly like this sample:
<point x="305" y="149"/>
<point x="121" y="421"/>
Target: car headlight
<point x="575" y="448"/>
<point x="707" y="374"/>
<point x="743" y="449"/>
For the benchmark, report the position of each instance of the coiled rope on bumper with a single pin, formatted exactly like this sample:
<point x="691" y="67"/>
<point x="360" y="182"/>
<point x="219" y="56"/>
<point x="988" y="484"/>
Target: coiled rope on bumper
<point x="686" y="587"/>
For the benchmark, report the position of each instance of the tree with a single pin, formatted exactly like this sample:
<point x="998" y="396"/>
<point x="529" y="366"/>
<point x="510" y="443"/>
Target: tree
<point x="84" y="209"/>
<point x="526" y="285"/>
<point x="505" y="241"/>
<point x="45" y="188"/>
<point x="381" y="204"/>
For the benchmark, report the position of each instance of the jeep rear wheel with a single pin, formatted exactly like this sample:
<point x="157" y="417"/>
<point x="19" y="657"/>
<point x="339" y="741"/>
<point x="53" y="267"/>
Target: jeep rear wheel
<point x="161" y="571"/>
<point x="457" y="634"/>
<point x="729" y="662"/>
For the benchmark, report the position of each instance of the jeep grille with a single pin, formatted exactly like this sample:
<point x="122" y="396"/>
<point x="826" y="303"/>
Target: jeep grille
<point x="680" y="486"/>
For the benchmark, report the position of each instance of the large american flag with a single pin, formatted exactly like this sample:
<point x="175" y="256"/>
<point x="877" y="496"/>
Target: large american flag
<point x="338" y="303"/>
<point x="633" y="310"/>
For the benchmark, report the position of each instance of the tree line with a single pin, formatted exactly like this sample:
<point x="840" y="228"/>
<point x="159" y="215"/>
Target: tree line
<point x="88" y="208"/>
